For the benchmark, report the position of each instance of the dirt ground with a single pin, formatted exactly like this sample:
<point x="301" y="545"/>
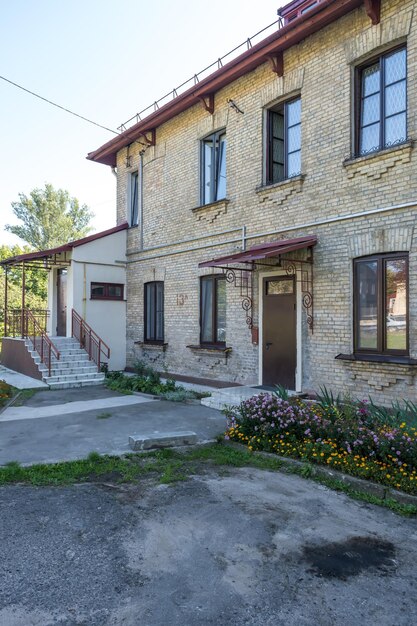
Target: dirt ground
<point x="226" y="547"/>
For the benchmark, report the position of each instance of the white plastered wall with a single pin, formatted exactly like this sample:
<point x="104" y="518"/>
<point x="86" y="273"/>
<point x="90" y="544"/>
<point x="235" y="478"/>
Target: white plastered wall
<point x="96" y="262"/>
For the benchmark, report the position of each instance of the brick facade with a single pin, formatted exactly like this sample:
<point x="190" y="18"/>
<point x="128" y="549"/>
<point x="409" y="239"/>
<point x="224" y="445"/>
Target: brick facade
<point x="327" y="200"/>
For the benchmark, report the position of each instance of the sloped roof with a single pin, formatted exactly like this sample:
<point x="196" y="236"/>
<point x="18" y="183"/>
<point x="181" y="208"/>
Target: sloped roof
<point x="326" y="12"/>
<point x="66" y="247"/>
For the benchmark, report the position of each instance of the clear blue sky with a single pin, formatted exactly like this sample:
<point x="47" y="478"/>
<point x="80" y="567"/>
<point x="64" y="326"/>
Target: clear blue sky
<point x="105" y="60"/>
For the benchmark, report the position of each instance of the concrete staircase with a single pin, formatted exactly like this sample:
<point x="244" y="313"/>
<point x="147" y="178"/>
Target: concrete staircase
<point x="73" y="368"/>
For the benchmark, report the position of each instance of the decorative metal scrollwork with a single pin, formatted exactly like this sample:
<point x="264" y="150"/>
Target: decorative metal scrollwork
<point x="304" y="276"/>
<point x="230" y="275"/>
<point x="243" y="280"/>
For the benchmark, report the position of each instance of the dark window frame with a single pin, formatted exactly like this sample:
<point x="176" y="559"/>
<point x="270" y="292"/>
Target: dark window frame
<point x="214" y="182"/>
<point x="269" y="141"/>
<point x="215" y="278"/>
<point x="381" y="304"/>
<point x="358" y="85"/>
<point x="106" y="295"/>
<point x="134" y="198"/>
<point x="147" y="339"/>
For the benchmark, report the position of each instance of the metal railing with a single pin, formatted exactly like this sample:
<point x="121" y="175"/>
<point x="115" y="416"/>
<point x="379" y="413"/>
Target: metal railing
<point x="14" y="320"/>
<point x="88" y="339"/>
<point x="194" y="80"/>
<point x="24" y="323"/>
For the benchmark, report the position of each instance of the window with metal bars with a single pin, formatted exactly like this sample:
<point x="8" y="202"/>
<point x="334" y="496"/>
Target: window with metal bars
<point x="381" y="117"/>
<point x="154" y="312"/>
<point x="283" y="158"/>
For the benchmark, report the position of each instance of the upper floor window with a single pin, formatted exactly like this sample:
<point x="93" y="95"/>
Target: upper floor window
<point x="381" y="304"/>
<point x="213" y="310"/>
<point x="213" y="168"/>
<point x="106" y="291"/>
<point x="133" y="198"/>
<point x="382" y="102"/>
<point x="283" y="159"/>
<point x="154" y="311"/>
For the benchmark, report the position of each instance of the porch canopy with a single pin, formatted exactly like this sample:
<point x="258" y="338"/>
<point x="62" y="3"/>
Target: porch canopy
<point x="58" y="257"/>
<point x="273" y="249"/>
<point x="252" y="258"/>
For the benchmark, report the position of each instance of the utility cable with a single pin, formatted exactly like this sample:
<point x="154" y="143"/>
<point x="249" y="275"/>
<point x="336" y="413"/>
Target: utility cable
<point x="32" y="93"/>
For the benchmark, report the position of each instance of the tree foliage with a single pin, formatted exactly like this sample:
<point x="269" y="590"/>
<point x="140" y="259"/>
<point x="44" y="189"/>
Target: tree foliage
<point x="35" y="281"/>
<point x="49" y="217"/>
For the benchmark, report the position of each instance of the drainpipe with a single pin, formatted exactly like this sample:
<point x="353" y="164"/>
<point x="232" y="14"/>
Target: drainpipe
<point x="140" y="199"/>
<point x="114" y="171"/>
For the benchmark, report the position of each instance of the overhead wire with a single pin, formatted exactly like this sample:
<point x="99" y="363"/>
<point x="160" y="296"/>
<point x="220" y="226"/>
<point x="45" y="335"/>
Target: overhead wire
<point x="59" y="106"/>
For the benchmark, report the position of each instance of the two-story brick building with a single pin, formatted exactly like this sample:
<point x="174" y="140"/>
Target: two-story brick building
<point x="272" y="209"/>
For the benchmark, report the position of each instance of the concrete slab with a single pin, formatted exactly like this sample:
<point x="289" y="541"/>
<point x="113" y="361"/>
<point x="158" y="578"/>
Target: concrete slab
<point x="20" y="381"/>
<point x="162" y="440"/>
<point x="237" y="547"/>
<point x="73" y="436"/>
<point x="57" y="410"/>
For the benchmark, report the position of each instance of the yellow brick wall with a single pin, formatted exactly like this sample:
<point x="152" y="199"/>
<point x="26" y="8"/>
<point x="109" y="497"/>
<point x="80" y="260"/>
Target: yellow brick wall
<point x="321" y="69"/>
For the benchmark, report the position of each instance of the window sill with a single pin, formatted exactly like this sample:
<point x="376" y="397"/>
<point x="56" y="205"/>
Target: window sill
<point x="210" y="349"/>
<point x="400" y="148"/>
<point x="377" y="358"/>
<point x="294" y="180"/>
<point x="152" y="345"/>
<point x="210" y="212"/>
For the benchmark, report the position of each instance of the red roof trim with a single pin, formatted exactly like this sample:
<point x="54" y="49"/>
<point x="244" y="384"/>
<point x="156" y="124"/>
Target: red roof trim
<point x="326" y="12"/>
<point x="66" y="247"/>
<point x="263" y="251"/>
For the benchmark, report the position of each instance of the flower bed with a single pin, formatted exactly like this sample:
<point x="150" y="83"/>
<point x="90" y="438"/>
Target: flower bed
<point x="351" y="440"/>
<point x="6" y="392"/>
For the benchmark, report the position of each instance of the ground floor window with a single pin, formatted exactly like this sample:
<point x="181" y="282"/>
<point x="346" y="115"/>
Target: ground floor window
<point x="213" y="310"/>
<point x="106" y="291"/>
<point x="154" y="311"/>
<point x="381" y="304"/>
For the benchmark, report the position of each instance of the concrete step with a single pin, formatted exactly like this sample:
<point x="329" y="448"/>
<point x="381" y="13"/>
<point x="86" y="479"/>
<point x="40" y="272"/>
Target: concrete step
<point x="68" y="366"/>
<point x="73" y="377"/>
<point x="76" y="383"/>
<point x="73" y="373"/>
<point x="65" y="371"/>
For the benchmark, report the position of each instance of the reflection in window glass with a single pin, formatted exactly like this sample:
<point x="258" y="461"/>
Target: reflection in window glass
<point x="383" y="102"/>
<point x="221" y="311"/>
<point x="279" y="287"/>
<point x="368" y="306"/>
<point x="284" y="141"/>
<point x="396" y="304"/>
<point x="213" y="172"/>
<point x="213" y="310"/>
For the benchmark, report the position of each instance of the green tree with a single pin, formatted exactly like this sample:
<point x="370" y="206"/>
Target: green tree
<point x="50" y="217"/>
<point x="35" y="291"/>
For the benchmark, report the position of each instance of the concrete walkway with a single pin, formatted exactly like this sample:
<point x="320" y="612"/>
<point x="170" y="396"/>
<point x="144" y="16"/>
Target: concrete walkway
<point x="68" y="424"/>
<point x="20" y="381"/>
<point x="54" y="410"/>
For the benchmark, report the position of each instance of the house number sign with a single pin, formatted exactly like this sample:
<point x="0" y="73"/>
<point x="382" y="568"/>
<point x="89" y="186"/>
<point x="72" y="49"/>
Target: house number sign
<point x="181" y="299"/>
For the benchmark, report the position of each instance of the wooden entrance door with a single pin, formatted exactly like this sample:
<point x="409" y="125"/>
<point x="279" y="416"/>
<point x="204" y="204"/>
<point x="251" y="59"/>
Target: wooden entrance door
<point x="279" y="349"/>
<point x="61" y="303"/>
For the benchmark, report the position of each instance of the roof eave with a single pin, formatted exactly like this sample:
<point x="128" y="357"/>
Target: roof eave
<point x="324" y="14"/>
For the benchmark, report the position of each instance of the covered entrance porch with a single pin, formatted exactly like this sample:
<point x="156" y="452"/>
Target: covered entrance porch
<point x="284" y="287"/>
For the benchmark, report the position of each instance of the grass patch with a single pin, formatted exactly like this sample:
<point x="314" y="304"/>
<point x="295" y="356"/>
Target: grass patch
<point x="103" y="416"/>
<point x="170" y="466"/>
<point x="24" y="395"/>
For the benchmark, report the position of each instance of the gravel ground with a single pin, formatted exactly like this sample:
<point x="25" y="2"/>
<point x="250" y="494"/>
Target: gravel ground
<point x="230" y="547"/>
